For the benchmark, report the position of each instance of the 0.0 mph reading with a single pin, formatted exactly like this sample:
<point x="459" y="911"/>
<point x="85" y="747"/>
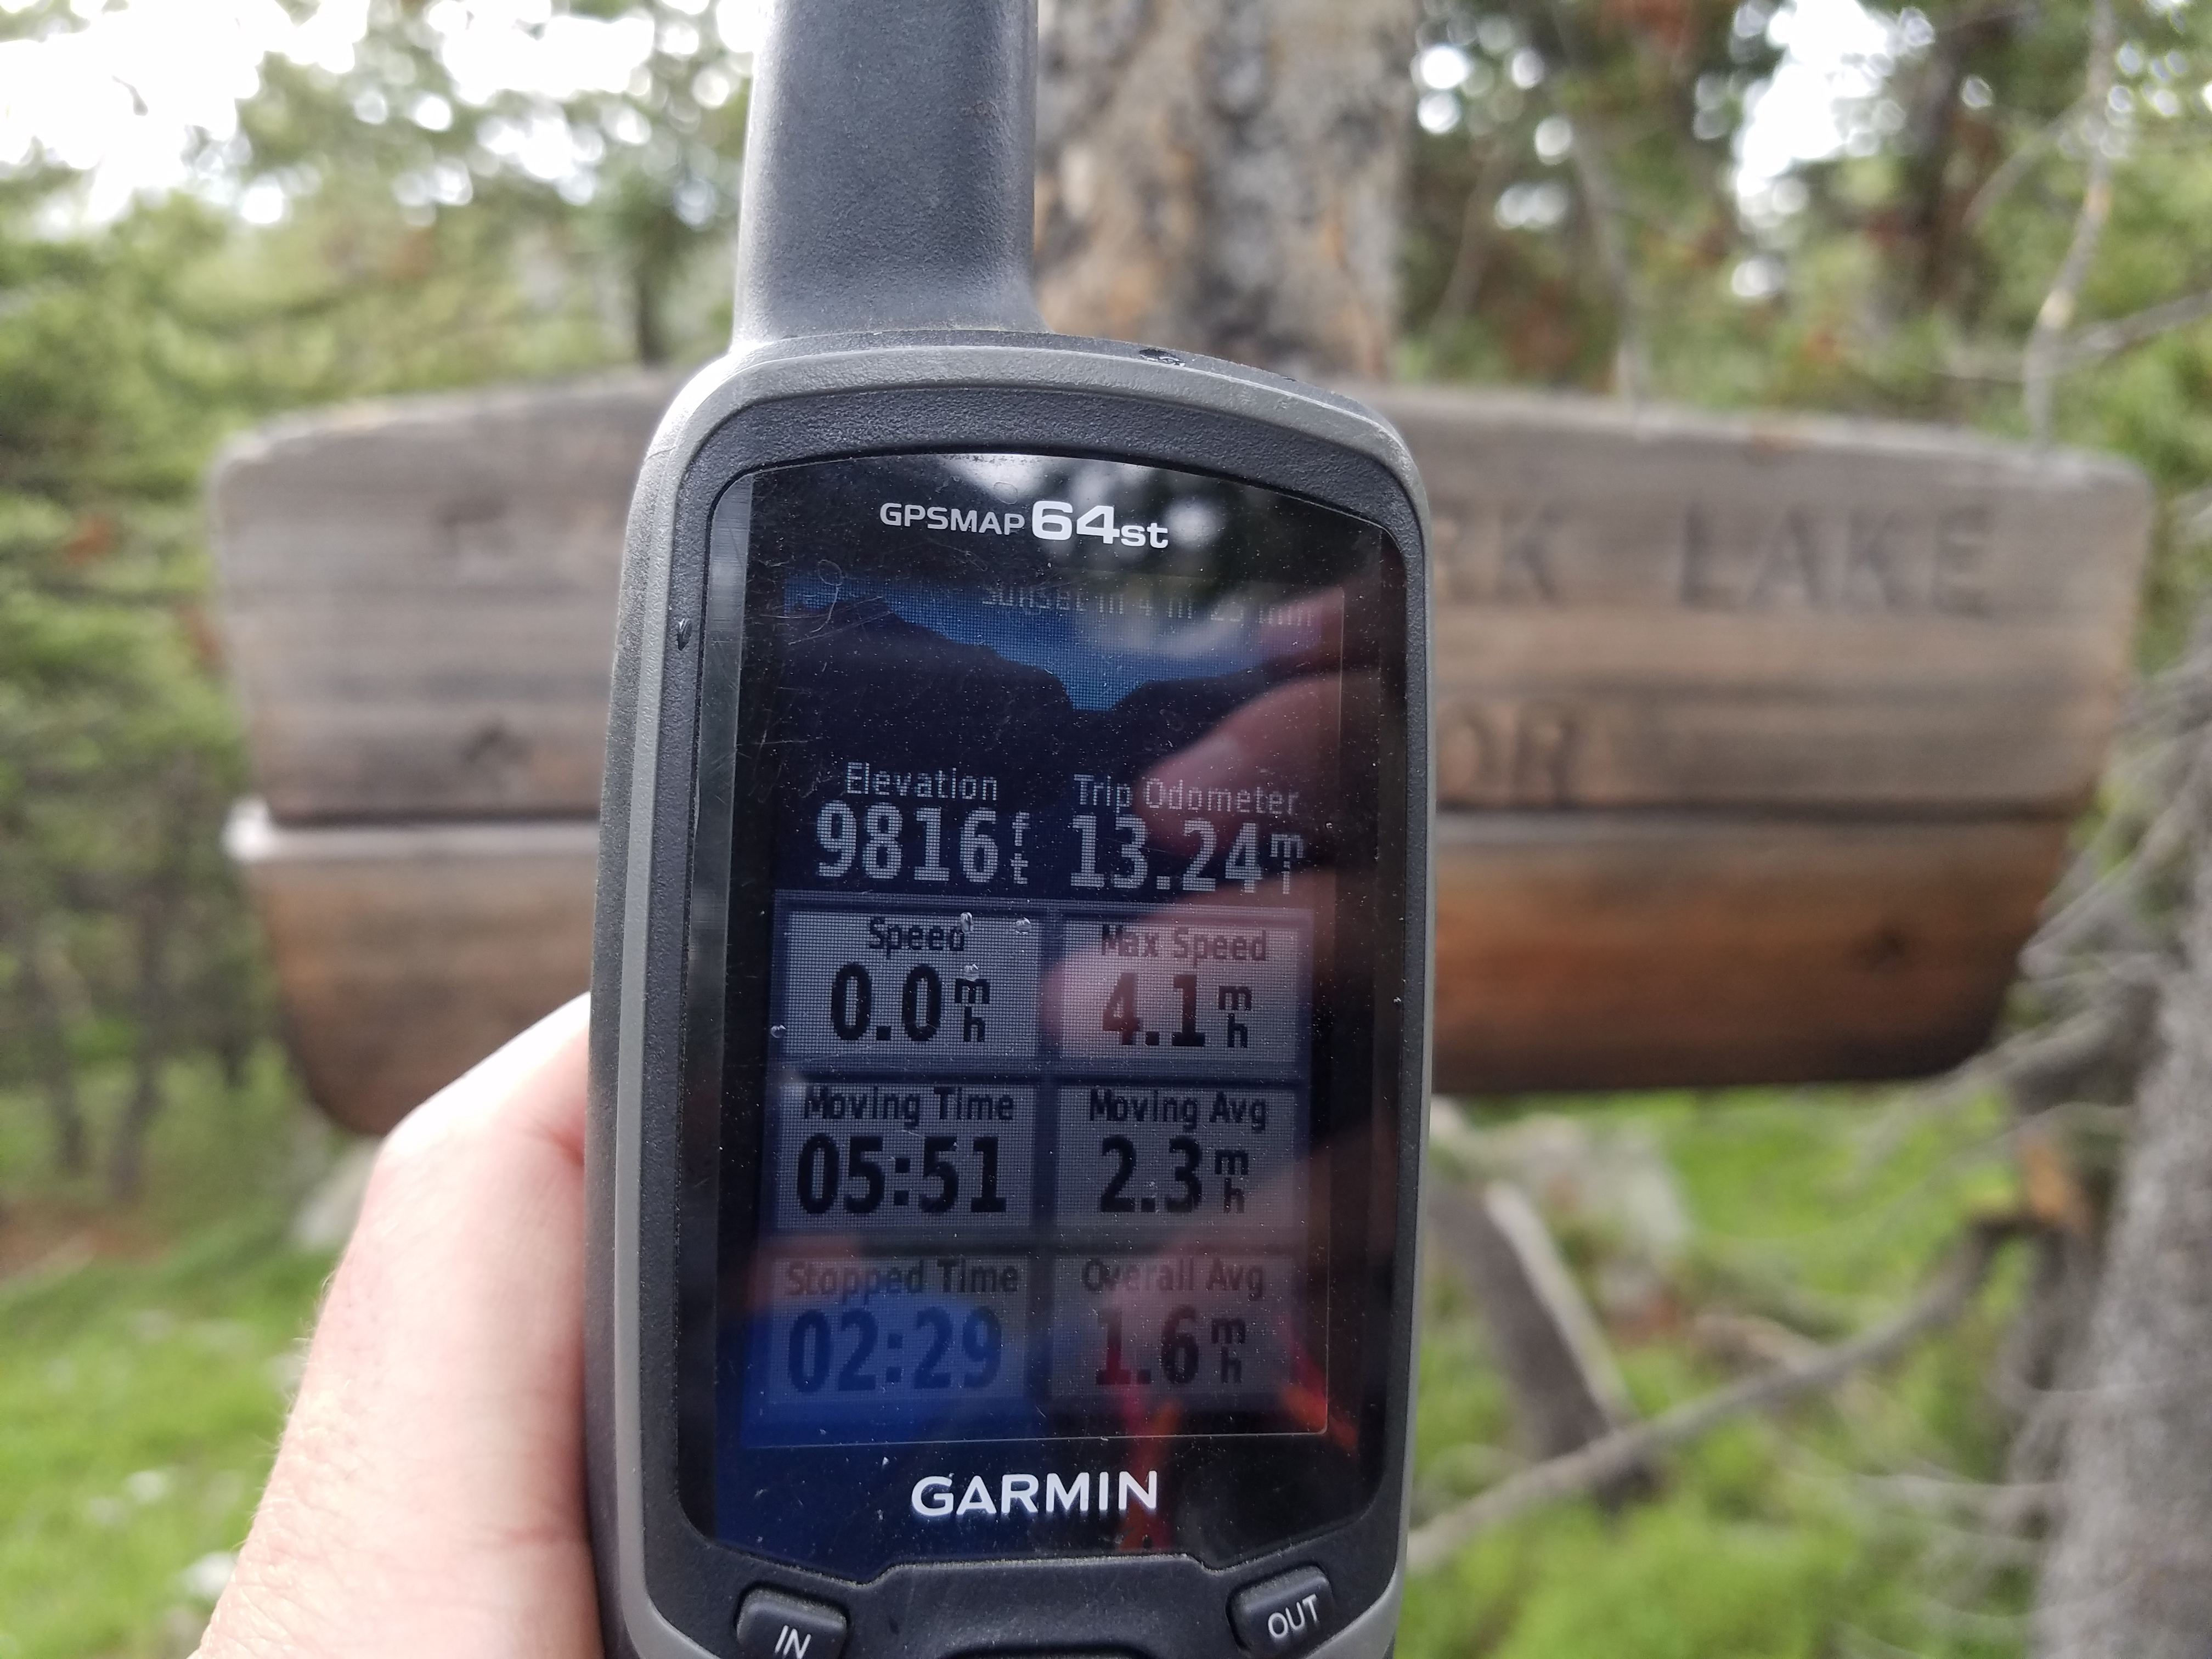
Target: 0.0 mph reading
<point x="888" y="989"/>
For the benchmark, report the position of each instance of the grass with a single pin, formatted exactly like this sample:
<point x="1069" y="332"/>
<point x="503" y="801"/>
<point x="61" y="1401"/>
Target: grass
<point x="145" y="1354"/>
<point x="1767" y="1540"/>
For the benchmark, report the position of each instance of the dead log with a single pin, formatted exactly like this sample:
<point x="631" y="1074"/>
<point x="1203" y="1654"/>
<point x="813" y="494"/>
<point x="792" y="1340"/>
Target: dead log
<point x="1580" y="1472"/>
<point x="2130" y="1572"/>
<point x="1567" y="1390"/>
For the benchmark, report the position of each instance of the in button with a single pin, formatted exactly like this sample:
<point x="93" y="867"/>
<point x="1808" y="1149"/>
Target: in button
<point x="774" y="1626"/>
<point x="1284" y="1615"/>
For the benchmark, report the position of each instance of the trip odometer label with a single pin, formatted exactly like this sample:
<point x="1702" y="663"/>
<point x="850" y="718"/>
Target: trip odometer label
<point x="903" y="988"/>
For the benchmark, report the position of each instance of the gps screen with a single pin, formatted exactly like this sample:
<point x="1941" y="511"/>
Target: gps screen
<point x="1042" y="1079"/>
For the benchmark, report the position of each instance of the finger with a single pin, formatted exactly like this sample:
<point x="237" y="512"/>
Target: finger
<point x="501" y="1086"/>
<point x="1284" y="739"/>
<point x="427" y="1499"/>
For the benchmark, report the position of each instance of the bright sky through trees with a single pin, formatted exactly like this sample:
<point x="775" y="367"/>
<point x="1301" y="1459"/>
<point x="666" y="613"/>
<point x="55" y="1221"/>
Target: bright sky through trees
<point x="120" y="96"/>
<point x="1836" y="55"/>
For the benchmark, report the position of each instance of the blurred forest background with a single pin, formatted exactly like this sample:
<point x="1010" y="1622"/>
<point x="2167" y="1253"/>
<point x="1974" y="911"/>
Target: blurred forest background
<point x="2012" y="230"/>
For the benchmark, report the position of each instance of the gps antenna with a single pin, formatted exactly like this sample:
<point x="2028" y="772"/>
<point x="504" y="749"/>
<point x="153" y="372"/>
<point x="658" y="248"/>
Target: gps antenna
<point x="889" y="158"/>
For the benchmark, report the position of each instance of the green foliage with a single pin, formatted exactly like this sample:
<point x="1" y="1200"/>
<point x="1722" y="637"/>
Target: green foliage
<point x="1574" y="122"/>
<point x="144" y="1365"/>
<point x="637" y="184"/>
<point x="1671" y="1582"/>
<point x="1820" y="1211"/>
<point x="1901" y="277"/>
<point x="137" y="1416"/>
<point x="389" y="228"/>
<point x="380" y="244"/>
<point x="390" y="234"/>
<point x="119" y="752"/>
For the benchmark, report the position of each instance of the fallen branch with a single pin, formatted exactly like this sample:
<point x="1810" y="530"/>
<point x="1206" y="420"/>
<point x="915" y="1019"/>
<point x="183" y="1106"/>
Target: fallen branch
<point x="1567" y="1390"/>
<point x="1631" y="360"/>
<point x="1609" y="1458"/>
<point x="2065" y="1047"/>
<point x="2039" y="362"/>
<point x="2067" y="354"/>
<point x="2094" y="344"/>
<point x="2014" y="167"/>
<point x="1471" y="260"/>
<point x="2008" y="1506"/>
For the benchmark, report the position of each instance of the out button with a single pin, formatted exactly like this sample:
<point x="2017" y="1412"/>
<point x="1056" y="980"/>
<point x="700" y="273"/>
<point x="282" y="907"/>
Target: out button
<point x="1284" y="1615"/>
<point x="774" y="1626"/>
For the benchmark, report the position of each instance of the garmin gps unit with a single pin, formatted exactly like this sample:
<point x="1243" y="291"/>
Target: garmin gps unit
<point x="1010" y="986"/>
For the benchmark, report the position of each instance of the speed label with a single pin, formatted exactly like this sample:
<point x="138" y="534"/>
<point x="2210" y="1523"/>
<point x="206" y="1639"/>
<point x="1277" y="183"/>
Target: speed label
<point x="903" y="988"/>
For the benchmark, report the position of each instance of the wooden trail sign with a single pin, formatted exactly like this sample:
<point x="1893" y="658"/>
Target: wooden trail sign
<point x="419" y="600"/>
<point x="1758" y="741"/>
<point x="1677" y="611"/>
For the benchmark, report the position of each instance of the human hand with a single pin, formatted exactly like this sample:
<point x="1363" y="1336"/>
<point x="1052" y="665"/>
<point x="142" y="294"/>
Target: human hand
<point x="428" y="1498"/>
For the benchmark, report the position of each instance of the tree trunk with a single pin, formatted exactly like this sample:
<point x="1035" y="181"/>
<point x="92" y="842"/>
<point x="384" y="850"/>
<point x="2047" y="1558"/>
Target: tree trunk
<point x="49" y="1038"/>
<point x="154" y="1000"/>
<point x="2129" y="1574"/>
<point x="1226" y="176"/>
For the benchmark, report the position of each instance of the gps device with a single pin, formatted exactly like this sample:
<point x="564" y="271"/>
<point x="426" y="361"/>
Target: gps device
<point x="1009" y="989"/>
